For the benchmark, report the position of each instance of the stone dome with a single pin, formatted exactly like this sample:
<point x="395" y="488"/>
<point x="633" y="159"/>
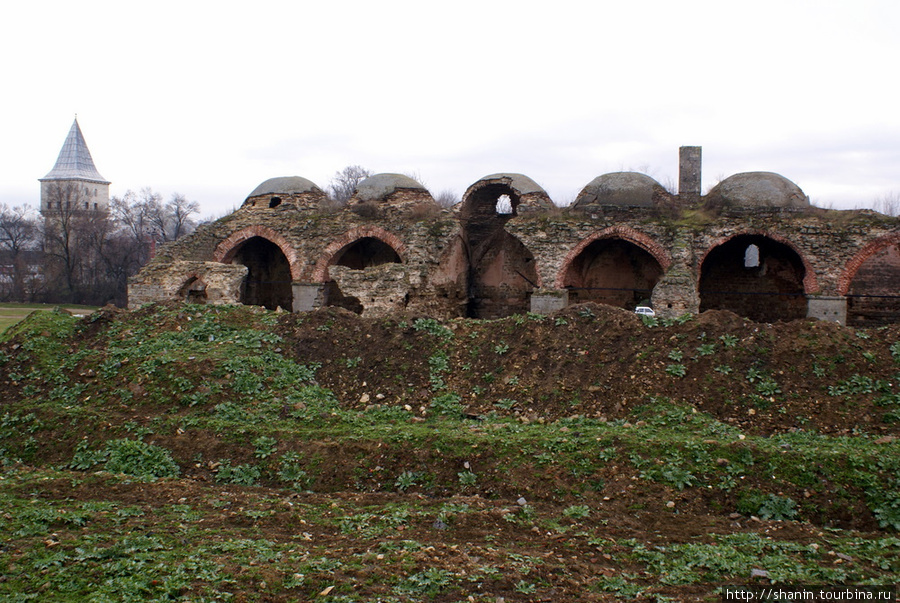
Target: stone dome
<point x="627" y="189"/>
<point x="520" y="183"/>
<point x="285" y="185"/>
<point x="758" y="189"/>
<point x="381" y="186"/>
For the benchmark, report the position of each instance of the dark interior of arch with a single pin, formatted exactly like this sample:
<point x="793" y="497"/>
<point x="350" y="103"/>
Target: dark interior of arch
<point x="193" y="291"/>
<point x="479" y="215"/>
<point x="872" y="299"/>
<point x="268" y="281"/>
<point x="613" y="272"/>
<point x="365" y="253"/>
<point x="502" y="275"/>
<point x="767" y="292"/>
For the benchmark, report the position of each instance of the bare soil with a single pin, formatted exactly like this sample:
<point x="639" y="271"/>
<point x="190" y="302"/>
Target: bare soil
<point x="588" y="361"/>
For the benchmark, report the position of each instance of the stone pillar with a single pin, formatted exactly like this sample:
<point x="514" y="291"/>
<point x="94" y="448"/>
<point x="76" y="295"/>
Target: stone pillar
<point x="689" y="164"/>
<point x="545" y="301"/>
<point x="827" y="308"/>
<point x="676" y="294"/>
<point x="308" y="296"/>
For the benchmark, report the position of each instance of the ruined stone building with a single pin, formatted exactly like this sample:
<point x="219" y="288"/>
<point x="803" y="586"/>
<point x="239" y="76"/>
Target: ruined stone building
<point x="74" y="184"/>
<point x="753" y="245"/>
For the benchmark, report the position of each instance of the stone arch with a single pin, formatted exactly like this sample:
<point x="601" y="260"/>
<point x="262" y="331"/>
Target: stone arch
<point x="363" y="271"/>
<point x="349" y="238"/>
<point x="870" y="281"/>
<point x="618" y="266"/>
<point x="502" y="274"/>
<point x="226" y="250"/>
<point x="502" y="271"/>
<point x="193" y="290"/>
<point x="272" y="266"/>
<point x="771" y="285"/>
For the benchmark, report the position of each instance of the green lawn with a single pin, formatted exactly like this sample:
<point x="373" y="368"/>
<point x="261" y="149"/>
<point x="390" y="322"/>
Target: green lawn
<point x="10" y="314"/>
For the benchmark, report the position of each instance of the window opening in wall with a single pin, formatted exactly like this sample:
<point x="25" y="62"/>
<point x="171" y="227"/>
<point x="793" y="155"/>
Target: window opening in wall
<point x="275" y="202"/>
<point x="366" y="253"/>
<point x="504" y="205"/>
<point x="751" y="257"/>
<point x="193" y="291"/>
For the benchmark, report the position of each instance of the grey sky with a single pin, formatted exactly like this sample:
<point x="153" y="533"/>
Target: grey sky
<point x="210" y="98"/>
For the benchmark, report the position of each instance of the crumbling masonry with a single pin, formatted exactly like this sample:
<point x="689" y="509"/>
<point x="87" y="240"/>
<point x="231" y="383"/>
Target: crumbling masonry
<point x="753" y="245"/>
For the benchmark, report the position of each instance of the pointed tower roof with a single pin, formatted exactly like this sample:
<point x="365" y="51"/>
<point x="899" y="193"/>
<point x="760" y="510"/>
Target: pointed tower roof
<point x="75" y="161"/>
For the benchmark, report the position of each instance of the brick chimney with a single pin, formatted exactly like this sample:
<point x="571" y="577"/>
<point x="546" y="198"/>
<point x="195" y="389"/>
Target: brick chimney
<point x="689" y="163"/>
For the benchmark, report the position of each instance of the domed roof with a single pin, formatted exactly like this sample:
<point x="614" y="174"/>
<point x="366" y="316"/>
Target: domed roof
<point x="520" y="183"/>
<point x="759" y="189"/>
<point x="285" y="185"/>
<point x="620" y="188"/>
<point x="381" y="186"/>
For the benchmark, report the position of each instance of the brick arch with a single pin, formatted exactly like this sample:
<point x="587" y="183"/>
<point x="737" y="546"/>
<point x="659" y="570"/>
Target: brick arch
<point x="870" y="249"/>
<point x="624" y="233"/>
<point x="810" y="281"/>
<point x="226" y="250"/>
<point x="320" y="272"/>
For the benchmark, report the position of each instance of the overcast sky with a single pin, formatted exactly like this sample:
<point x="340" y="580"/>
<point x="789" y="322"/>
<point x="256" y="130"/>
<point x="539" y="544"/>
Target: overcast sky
<point x="209" y="99"/>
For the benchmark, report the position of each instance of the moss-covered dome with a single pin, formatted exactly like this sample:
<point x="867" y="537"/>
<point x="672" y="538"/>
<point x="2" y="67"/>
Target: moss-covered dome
<point x="285" y="185"/>
<point x="758" y="189"/>
<point x="381" y="186"/>
<point x="627" y="189"/>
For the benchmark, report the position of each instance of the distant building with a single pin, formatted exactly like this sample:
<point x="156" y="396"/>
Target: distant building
<point x="74" y="184"/>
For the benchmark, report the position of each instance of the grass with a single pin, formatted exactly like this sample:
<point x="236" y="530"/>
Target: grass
<point x="11" y="314"/>
<point x="187" y="454"/>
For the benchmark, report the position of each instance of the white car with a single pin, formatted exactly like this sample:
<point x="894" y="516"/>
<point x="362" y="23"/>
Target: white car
<point x="644" y="311"/>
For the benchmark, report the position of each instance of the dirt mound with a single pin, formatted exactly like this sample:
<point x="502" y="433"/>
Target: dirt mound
<point x="599" y="362"/>
<point x="586" y="455"/>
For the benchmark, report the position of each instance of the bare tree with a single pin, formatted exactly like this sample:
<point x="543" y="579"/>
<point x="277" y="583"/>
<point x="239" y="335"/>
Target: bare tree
<point x="145" y="218"/>
<point x="88" y="255"/>
<point x="343" y="184"/>
<point x="67" y="242"/>
<point x="131" y="215"/>
<point x="18" y="236"/>
<point x="179" y="213"/>
<point x="889" y="204"/>
<point x="447" y="198"/>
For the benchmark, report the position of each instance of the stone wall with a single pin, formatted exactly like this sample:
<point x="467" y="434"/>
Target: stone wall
<point x="473" y="261"/>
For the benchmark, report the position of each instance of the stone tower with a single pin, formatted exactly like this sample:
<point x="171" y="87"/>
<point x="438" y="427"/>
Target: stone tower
<point x="74" y="184"/>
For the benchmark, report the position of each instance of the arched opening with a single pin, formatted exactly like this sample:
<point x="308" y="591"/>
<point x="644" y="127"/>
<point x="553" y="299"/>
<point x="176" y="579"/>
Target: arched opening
<point x="367" y="277"/>
<point x="873" y="298"/>
<point x="274" y="202"/>
<point x="504" y="205"/>
<point x="502" y="272"/>
<point x="501" y="278"/>
<point x="268" y="281"/>
<point x="764" y="284"/>
<point x="366" y="253"/>
<point x="612" y="271"/>
<point x="193" y="291"/>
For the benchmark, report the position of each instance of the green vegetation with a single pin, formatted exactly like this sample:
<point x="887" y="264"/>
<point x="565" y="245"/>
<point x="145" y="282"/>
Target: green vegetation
<point x="11" y="314"/>
<point x="189" y="453"/>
